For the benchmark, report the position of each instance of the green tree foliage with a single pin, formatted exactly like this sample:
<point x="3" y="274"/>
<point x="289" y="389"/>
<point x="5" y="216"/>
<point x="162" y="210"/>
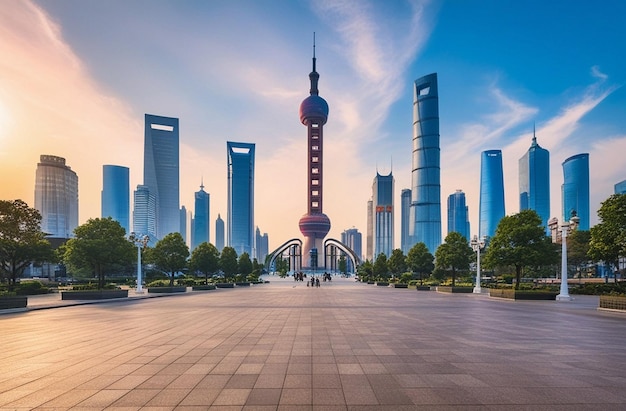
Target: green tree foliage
<point x="520" y="241"/>
<point x="380" y="269"/>
<point x="170" y="254"/>
<point x="342" y="265"/>
<point x="228" y="262"/>
<point x="420" y="260"/>
<point x="454" y="254"/>
<point x="397" y="262"/>
<point x="578" y="248"/>
<point x="98" y="245"/>
<point x="244" y="264"/>
<point x="21" y="239"/>
<point x="204" y="259"/>
<point x="365" y="271"/>
<point x="608" y="238"/>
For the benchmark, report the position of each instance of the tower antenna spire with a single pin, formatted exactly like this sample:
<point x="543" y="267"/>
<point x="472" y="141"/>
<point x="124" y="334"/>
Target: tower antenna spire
<point x="314" y="76"/>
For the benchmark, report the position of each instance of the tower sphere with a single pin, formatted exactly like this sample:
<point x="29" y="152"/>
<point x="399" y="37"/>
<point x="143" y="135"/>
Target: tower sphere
<point x="314" y="225"/>
<point x="313" y="107"/>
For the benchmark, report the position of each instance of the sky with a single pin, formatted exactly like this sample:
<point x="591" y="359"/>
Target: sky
<point x="77" y="77"/>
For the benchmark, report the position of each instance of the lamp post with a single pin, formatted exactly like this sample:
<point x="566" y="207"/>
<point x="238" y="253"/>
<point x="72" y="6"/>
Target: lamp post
<point x="141" y="242"/>
<point x="477" y="245"/>
<point x="566" y="227"/>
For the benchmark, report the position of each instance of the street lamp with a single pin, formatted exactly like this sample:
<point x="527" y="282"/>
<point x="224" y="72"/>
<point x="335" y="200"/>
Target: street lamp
<point x="566" y="227"/>
<point x="141" y="242"/>
<point x="477" y="245"/>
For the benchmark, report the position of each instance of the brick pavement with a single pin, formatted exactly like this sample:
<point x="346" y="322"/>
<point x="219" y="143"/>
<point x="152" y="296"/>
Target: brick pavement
<point x="343" y="346"/>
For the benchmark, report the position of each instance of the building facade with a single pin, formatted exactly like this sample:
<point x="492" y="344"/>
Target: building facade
<point x="144" y="213"/>
<point x="369" y="232"/>
<point x="240" y="217"/>
<point x="200" y="232"/>
<point x="383" y="224"/>
<point x="56" y="196"/>
<point x="183" y="225"/>
<point x="575" y="189"/>
<point x="425" y="172"/>
<point x="620" y="188"/>
<point x="116" y="194"/>
<point x="534" y="181"/>
<point x="458" y="214"/>
<point x="405" y="211"/>
<point x="353" y="239"/>
<point x="161" y="171"/>
<point x="262" y="246"/>
<point x="491" y="204"/>
<point x="219" y="233"/>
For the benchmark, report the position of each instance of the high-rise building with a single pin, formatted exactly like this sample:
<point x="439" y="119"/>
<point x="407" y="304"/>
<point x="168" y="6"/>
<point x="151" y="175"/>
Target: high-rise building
<point x="382" y="196"/>
<point x="491" y="205"/>
<point x="620" y="188"/>
<point x="183" y="223"/>
<point x="314" y="225"/>
<point x="425" y="173"/>
<point x="161" y="171"/>
<point x="144" y="213"/>
<point x="575" y="189"/>
<point x="369" y="232"/>
<point x="240" y="217"/>
<point x="219" y="233"/>
<point x="353" y="239"/>
<point x="56" y="196"/>
<point x="262" y="246"/>
<point x="116" y="194"/>
<point x="200" y="232"/>
<point x="405" y="212"/>
<point x="534" y="181"/>
<point x="458" y="215"/>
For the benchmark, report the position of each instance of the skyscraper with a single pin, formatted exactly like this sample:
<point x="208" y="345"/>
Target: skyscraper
<point x="458" y="215"/>
<point x="491" y="206"/>
<point x="353" y="239"/>
<point x="425" y="174"/>
<point x="382" y="196"/>
<point x="405" y="213"/>
<point x="200" y="232"/>
<point x="262" y="246"/>
<point x="240" y="218"/>
<point x="314" y="225"/>
<point x="534" y="181"/>
<point x="116" y="194"/>
<point x="183" y="223"/>
<point x="369" y="232"/>
<point x="56" y="196"/>
<point x="219" y="233"/>
<point x="144" y="213"/>
<point x="620" y="188"/>
<point x="575" y="189"/>
<point x="161" y="173"/>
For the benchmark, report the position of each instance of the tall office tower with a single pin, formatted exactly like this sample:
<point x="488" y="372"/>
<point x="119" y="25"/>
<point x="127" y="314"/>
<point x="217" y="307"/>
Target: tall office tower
<point x="262" y="246"/>
<point x="425" y="174"/>
<point x="240" y="217"/>
<point x="369" y="232"/>
<point x="314" y="225"/>
<point x="183" y="223"/>
<point x="219" y="233"/>
<point x="458" y="215"/>
<point x="382" y="195"/>
<point x="144" y="213"/>
<point x="491" y="205"/>
<point x="534" y="181"/>
<point x="200" y="233"/>
<point x="405" y="207"/>
<point x="353" y="239"/>
<point x="575" y="189"/>
<point x="56" y="196"/>
<point x="161" y="171"/>
<point x="620" y="188"/>
<point x="116" y="194"/>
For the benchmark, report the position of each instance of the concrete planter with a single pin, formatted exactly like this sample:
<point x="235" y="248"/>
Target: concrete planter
<point x="613" y="302"/>
<point x="523" y="294"/>
<point x="13" y="301"/>
<point x="167" y="290"/>
<point x="423" y="288"/>
<point x="93" y="294"/>
<point x="400" y="286"/>
<point x="455" y="289"/>
<point x="203" y="287"/>
<point x="243" y="284"/>
<point x="225" y="285"/>
<point x="382" y="284"/>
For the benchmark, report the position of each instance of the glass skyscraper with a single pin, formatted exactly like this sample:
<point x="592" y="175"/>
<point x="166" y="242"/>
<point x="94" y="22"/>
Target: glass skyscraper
<point x="382" y="196"/>
<point x="161" y="171"/>
<point x="144" y="213"/>
<point x="200" y="232"/>
<point x="491" y="205"/>
<point x="353" y="239"/>
<point x="262" y="246"/>
<point x="534" y="181"/>
<point x="219" y="233"/>
<point x="56" y="196"/>
<point x="240" y="218"/>
<point x="369" y="232"/>
<point x="575" y="189"/>
<point x="458" y="215"/>
<point x="425" y="173"/>
<point x="116" y="194"/>
<point x="405" y="207"/>
<point x="620" y="188"/>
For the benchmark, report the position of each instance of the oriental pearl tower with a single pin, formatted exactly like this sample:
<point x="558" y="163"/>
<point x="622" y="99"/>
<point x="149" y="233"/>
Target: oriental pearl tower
<point x="314" y="225"/>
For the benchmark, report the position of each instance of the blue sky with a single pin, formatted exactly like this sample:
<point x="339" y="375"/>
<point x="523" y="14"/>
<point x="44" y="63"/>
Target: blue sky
<point x="77" y="76"/>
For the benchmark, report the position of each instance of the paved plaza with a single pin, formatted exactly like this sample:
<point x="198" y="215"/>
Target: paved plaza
<point x="286" y="346"/>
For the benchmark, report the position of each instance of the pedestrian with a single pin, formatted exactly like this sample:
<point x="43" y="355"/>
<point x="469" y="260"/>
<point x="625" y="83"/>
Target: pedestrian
<point x="317" y="282"/>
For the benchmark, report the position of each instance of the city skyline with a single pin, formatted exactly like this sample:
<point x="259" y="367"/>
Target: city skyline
<point x="236" y="73"/>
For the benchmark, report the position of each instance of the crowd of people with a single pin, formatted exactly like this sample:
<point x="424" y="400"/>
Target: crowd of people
<point x="314" y="281"/>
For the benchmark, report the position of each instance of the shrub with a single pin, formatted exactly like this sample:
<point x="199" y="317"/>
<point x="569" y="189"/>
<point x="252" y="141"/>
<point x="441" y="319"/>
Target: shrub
<point x="159" y="283"/>
<point x="599" y="289"/>
<point x="31" y="288"/>
<point x="93" y="286"/>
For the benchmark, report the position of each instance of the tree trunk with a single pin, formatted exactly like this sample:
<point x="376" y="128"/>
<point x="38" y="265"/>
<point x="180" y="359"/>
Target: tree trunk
<point x="172" y="279"/>
<point x="518" y="276"/>
<point x="453" y="277"/>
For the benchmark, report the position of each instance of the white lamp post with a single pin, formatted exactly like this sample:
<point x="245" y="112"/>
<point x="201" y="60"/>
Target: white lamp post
<point x="566" y="227"/>
<point x="477" y="245"/>
<point x="141" y="242"/>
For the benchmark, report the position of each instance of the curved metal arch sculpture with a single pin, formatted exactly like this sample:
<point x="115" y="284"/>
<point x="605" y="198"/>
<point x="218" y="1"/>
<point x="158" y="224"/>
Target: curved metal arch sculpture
<point x="296" y="243"/>
<point x="332" y="242"/>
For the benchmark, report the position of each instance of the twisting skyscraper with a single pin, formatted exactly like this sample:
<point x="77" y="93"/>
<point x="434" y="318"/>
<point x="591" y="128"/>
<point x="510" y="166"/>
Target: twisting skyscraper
<point x="240" y="217"/>
<point x="491" y="205"/>
<point x="575" y="189"/>
<point x="534" y="181"/>
<point x="314" y="225"/>
<point x="425" y="173"/>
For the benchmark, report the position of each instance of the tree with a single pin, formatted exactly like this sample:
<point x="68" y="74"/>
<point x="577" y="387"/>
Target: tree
<point x="454" y="254"/>
<point x="608" y="238"/>
<point x="578" y="248"/>
<point x="365" y="271"/>
<point x="380" y="269"/>
<point x="21" y="239"/>
<point x="97" y="245"/>
<point x="520" y="241"/>
<point x="170" y="254"/>
<point x="204" y="259"/>
<point x="244" y="264"/>
<point x="342" y="264"/>
<point x="397" y="262"/>
<point x="420" y="260"/>
<point x="228" y="262"/>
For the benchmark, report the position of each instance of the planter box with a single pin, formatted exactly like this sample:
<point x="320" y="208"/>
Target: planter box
<point x="371" y="282"/>
<point x="203" y="287"/>
<point x="423" y="288"/>
<point x="613" y="302"/>
<point x="523" y="294"/>
<point x="166" y="290"/>
<point x="400" y="286"/>
<point x="243" y="284"/>
<point x="382" y="284"/>
<point x="93" y="294"/>
<point x="13" y="301"/>
<point x="225" y="285"/>
<point x="455" y="290"/>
